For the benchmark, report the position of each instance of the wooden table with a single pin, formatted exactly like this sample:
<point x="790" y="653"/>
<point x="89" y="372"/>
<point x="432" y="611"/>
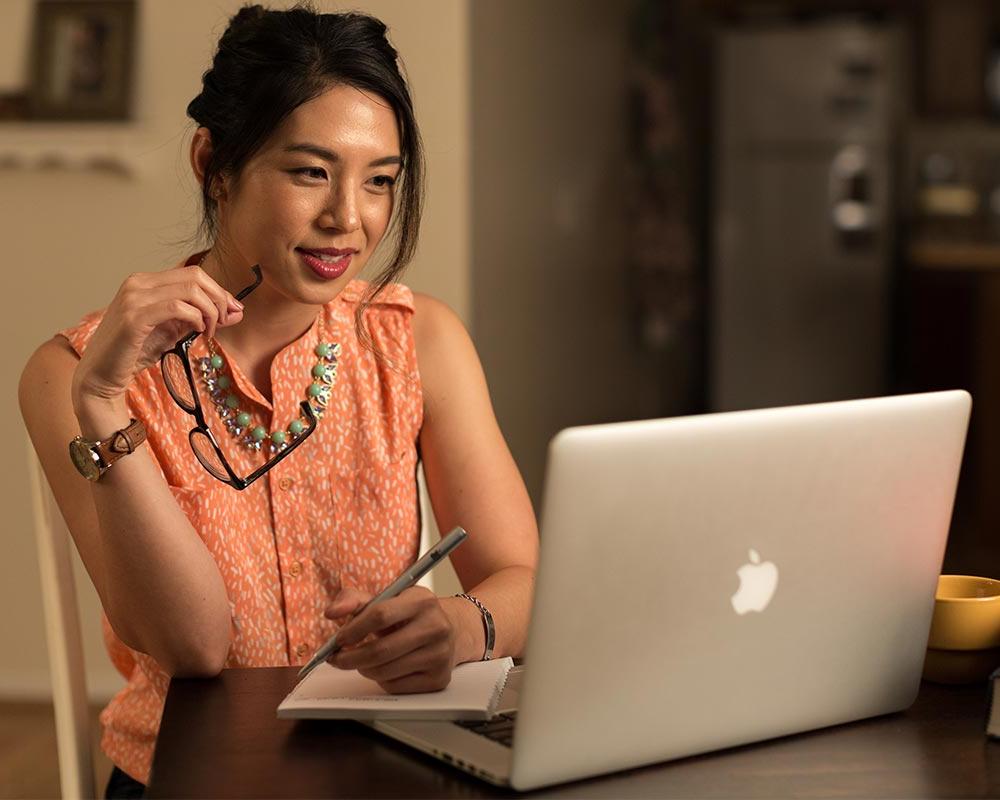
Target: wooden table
<point x="220" y="738"/>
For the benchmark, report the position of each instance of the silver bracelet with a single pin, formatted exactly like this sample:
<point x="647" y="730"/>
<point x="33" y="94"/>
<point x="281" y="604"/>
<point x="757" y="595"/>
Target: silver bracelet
<point x="490" y="631"/>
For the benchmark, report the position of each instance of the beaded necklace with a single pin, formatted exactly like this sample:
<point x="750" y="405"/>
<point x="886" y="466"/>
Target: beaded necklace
<point x="240" y="423"/>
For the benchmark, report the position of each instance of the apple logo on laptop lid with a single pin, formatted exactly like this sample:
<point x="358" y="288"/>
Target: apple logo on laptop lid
<point x="758" y="582"/>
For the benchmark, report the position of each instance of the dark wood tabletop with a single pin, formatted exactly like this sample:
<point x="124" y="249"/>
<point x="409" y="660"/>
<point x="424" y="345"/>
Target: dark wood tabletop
<point x="220" y="738"/>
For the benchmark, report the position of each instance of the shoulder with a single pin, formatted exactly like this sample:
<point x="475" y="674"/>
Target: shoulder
<point x="446" y="355"/>
<point x="57" y="354"/>
<point x="46" y="378"/>
<point x="435" y="324"/>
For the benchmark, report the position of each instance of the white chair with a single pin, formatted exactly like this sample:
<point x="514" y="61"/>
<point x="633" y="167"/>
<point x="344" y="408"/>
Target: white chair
<point x="65" y="642"/>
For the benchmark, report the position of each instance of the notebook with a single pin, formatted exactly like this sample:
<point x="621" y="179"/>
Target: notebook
<point x="993" y="709"/>
<point x="331" y="693"/>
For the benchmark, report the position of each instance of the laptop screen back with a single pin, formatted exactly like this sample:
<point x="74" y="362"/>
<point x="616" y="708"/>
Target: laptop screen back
<point x="710" y="581"/>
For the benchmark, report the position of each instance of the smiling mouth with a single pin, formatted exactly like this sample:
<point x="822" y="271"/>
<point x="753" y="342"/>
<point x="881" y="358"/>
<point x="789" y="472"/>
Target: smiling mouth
<point x="325" y="265"/>
<point x="328" y="254"/>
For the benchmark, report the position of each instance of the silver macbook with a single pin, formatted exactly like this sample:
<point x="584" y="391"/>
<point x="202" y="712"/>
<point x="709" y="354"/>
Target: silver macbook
<point x="710" y="581"/>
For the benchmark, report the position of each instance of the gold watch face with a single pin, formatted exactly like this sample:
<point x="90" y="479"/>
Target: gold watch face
<point x="84" y="459"/>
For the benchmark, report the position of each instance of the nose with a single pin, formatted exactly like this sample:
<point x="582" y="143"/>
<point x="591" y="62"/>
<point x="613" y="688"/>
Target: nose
<point x="341" y="210"/>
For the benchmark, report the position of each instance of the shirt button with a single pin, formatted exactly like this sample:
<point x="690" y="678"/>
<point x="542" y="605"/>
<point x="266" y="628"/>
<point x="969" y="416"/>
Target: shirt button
<point x="296" y="569"/>
<point x="285" y="484"/>
<point x="301" y="649"/>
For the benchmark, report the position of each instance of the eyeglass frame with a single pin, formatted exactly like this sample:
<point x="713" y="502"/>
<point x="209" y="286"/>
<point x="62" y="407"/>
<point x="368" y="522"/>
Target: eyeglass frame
<point x="181" y="351"/>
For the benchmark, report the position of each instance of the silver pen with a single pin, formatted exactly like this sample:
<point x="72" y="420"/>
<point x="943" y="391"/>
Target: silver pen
<point x="410" y="576"/>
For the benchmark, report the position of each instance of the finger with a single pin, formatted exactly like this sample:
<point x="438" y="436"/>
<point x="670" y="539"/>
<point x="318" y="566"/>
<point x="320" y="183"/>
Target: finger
<point x="387" y="657"/>
<point x="200" y="298"/>
<point x="193" y="295"/>
<point x="174" y="309"/>
<point x="394" y="611"/>
<point x="381" y="650"/>
<point x="347" y="601"/>
<point x="233" y="316"/>
<point x="225" y="302"/>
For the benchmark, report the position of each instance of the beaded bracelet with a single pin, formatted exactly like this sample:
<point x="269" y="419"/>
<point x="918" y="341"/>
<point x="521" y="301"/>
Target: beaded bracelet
<point x="487" y="625"/>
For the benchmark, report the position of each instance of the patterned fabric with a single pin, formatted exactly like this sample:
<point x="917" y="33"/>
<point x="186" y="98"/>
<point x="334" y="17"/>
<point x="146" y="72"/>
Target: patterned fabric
<point x="342" y="510"/>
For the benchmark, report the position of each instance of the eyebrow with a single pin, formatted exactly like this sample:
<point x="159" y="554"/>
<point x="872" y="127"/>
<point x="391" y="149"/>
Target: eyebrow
<point x="329" y="155"/>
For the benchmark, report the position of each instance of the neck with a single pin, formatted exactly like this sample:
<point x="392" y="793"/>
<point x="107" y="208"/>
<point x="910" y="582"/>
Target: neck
<point x="270" y="321"/>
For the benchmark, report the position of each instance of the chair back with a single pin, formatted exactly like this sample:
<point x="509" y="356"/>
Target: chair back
<point x="64" y="639"/>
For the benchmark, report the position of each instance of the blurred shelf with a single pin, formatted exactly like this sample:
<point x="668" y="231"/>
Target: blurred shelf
<point x="973" y="256"/>
<point x="107" y="147"/>
<point x="959" y="244"/>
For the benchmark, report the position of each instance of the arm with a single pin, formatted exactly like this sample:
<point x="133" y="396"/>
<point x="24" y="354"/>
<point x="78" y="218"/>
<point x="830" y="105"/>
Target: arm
<point x="160" y="588"/>
<point x="127" y="527"/>
<point x="473" y="482"/>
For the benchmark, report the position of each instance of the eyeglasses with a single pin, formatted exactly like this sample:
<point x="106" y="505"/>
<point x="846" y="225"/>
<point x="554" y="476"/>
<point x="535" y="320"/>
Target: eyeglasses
<point x="179" y="379"/>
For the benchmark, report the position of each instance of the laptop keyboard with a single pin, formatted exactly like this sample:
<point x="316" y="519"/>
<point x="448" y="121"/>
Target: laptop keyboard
<point x="500" y="729"/>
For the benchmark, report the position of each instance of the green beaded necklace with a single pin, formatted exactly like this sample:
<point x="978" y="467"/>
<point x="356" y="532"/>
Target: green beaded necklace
<point x="239" y="422"/>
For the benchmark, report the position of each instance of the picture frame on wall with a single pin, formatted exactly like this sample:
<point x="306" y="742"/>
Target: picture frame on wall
<point x="82" y="60"/>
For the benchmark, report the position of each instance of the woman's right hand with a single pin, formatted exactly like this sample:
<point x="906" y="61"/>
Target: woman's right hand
<point x="148" y="315"/>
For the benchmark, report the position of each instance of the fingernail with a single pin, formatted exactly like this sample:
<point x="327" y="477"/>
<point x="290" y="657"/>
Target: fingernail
<point x="235" y="304"/>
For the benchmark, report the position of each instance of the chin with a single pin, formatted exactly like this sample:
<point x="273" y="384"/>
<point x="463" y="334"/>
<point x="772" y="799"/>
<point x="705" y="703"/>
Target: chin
<point x="319" y="292"/>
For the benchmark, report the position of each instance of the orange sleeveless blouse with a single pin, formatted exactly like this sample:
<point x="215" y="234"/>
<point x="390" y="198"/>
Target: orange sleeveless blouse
<point x="341" y="511"/>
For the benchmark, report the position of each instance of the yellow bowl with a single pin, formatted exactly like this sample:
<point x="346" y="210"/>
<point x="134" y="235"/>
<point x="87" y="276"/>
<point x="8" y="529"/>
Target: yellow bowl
<point x="960" y="666"/>
<point x="966" y="613"/>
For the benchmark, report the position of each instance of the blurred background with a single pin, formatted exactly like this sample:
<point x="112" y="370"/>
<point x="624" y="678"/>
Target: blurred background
<point x="640" y="209"/>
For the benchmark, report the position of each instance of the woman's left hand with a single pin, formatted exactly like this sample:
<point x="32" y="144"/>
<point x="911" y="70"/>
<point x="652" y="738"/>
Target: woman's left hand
<point x="405" y="644"/>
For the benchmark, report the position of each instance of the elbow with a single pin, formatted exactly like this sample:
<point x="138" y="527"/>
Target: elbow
<point x="201" y="659"/>
<point x="203" y="662"/>
<point x="204" y="666"/>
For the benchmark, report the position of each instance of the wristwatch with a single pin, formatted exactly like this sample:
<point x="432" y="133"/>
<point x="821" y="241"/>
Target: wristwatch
<point x="93" y="459"/>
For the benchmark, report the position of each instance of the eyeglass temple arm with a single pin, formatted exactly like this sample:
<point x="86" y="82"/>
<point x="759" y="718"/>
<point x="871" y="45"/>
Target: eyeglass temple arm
<point x="258" y="277"/>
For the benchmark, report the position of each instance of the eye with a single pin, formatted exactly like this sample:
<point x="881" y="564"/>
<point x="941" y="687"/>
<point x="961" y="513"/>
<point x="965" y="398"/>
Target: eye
<point x="310" y="172"/>
<point x="384" y="181"/>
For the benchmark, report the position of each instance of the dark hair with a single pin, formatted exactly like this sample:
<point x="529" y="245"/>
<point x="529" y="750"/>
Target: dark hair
<point x="271" y="62"/>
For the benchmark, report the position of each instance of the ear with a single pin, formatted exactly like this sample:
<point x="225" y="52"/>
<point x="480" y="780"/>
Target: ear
<point x="201" y="152"/>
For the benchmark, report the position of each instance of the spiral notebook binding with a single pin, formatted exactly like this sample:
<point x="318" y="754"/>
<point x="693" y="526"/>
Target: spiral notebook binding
<point x="499" y="689"/>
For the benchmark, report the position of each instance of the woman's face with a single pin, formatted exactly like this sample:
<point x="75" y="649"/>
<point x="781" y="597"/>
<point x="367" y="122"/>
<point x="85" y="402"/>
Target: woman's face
<point x="325" y="180"/>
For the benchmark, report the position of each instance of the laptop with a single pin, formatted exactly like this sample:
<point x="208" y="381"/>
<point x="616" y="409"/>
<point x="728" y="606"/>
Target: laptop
<point x="715" y="580"/>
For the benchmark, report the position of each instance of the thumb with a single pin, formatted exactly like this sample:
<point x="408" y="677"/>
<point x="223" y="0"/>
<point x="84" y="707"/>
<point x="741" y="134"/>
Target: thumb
<point x="345" y="602"/>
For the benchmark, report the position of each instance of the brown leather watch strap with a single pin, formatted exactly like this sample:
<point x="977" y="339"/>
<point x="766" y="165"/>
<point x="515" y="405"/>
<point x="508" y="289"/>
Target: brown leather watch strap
<point x="121" y="443"/>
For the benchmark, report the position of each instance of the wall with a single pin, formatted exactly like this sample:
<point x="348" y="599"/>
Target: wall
<point x="524" y="234"/>
<point x="550" y="304"/>
<point x="71" y="236"/>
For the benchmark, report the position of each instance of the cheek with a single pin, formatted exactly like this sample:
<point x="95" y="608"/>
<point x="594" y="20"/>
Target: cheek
<point x="293" y="211"/>
<point x="376" y="218"/>
<point x="269" y="210"/>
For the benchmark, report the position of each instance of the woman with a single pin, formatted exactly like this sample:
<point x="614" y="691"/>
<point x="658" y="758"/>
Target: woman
<point x="308" y="156"/>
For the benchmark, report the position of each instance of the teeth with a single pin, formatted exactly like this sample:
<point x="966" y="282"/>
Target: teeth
<point x="324" y="257"/>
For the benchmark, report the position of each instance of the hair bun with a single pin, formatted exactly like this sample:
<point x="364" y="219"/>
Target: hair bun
<point x="246" y="15"/>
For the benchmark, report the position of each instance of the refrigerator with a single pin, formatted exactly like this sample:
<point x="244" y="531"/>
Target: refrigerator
<point x="804" y="122"/>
